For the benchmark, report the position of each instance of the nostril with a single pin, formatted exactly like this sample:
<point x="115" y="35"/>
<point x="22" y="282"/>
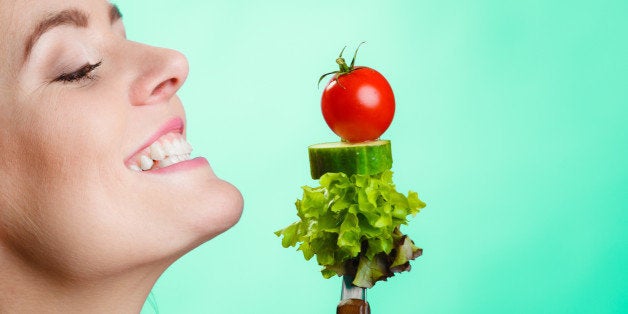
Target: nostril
<point x="163" y="86"/>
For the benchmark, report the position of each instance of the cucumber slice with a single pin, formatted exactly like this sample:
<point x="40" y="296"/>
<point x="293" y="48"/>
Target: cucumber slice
<point x="361" y="158"/>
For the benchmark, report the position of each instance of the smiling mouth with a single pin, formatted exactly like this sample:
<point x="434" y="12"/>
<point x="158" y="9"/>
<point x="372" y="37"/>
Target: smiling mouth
<point x="167" y="150"/>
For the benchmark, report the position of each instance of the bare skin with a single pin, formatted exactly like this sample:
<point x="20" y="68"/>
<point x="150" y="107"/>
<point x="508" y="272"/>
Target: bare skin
<point x="80" y="230"/>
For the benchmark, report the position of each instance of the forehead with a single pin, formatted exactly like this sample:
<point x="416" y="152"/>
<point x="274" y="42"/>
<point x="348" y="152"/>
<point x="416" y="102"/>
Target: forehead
<point x="18" y="18"/>
<point x="26" y="11"/>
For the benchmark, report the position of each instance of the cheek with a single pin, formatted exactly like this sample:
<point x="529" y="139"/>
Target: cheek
<point x="72" y="139"/>
<point x="60" y="162"/>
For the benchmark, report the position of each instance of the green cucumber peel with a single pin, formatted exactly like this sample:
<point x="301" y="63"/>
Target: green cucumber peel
<point x="369" y="158"/>
<point x="351" y="224"/>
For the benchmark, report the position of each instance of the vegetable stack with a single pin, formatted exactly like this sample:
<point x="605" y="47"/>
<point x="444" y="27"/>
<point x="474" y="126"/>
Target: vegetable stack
<point x="351" y="222"/>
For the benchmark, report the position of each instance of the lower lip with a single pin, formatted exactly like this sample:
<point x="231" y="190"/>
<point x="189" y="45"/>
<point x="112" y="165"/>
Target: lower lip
<point x="182" y="166"/>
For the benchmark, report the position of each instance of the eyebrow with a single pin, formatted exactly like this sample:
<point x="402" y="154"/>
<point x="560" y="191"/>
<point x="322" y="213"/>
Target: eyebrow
<point x="73" y="17"/>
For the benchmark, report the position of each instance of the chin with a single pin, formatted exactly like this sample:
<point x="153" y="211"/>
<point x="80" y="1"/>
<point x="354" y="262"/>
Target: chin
<point x="202" y="214"/>
<point x="181" y="209"/>
<point x="210" y="208"/>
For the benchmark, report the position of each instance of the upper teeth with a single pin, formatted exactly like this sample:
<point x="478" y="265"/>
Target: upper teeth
<point x="167" y="150"/>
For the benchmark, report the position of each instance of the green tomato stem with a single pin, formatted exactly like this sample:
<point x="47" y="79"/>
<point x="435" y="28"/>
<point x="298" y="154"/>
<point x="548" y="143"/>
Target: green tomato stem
<point x="342" y="64"/>
<point x="344" y="68"/>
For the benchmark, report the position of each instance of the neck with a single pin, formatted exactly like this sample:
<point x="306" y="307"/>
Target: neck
<point x="27" y="291"/>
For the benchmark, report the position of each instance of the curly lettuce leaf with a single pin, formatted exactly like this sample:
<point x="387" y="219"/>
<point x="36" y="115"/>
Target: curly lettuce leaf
<point x="351" y="224"/>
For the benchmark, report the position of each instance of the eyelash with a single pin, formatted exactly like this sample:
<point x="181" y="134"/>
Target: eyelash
<point x="85" y="72"/>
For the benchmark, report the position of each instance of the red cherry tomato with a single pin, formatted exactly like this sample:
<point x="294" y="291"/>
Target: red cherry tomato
<point x="358" y="105"/>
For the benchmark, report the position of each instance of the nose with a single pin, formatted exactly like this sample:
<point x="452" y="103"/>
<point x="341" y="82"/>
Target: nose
<point x="161" y="72"/>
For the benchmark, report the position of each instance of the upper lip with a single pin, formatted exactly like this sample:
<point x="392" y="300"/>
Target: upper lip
<point x="172" y="125"/>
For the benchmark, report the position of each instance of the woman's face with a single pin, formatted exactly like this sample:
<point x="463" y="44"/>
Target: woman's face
<point x="82" y="111"/>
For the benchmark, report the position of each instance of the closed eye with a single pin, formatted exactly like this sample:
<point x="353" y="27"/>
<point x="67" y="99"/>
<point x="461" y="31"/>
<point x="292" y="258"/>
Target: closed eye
<point x="85" y="72"/>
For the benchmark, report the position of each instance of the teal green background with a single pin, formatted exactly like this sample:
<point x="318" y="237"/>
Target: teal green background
<point x="511" y="124"/>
